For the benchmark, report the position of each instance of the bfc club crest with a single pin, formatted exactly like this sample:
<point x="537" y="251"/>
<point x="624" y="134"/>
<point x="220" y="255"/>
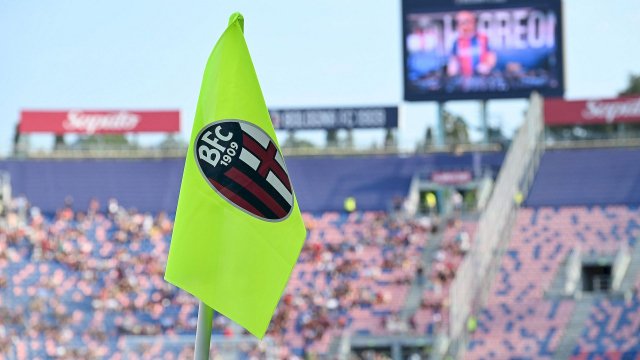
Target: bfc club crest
<point x="243" y="165"/>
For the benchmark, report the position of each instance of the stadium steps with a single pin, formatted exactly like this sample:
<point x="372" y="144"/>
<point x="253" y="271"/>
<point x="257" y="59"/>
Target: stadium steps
<point x="633" y="271"/>
<point x="574" y="328"/>
<point x="557" y="287"/>
<point x="561" y="278"/>
<point x="414" y="296"/>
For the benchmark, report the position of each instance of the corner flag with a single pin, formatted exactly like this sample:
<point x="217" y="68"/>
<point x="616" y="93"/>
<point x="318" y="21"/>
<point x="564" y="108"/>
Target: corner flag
<point x="238" y="229"/>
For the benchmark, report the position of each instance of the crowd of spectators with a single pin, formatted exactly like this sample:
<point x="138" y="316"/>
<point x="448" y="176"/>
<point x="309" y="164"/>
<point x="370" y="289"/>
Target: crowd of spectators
<point x="74" y="283"/>
<point x="455" y="244"/>
<point x="432" y="316"/>
<point x="353" y="271"/>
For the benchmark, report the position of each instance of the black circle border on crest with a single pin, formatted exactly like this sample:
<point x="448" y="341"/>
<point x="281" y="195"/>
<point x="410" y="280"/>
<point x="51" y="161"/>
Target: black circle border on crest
<point x="204" y="177"/>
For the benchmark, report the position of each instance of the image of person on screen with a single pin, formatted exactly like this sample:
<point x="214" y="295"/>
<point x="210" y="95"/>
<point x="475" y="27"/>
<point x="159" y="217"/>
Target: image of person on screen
<point x="470" y="54"/>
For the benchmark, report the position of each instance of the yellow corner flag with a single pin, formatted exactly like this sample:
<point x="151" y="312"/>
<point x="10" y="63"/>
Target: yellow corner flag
<point x="238" y="229"/>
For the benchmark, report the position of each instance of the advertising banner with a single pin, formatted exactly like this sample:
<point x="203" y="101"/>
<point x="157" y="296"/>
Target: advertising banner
<point x="99" y="122"/>
<point x="451" y="177"/>
<point x="335" y="118"/>
<point x="592" y="112"/>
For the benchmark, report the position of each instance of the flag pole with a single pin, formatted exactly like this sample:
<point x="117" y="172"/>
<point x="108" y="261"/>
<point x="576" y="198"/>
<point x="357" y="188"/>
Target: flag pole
<point x="203" y="332"/>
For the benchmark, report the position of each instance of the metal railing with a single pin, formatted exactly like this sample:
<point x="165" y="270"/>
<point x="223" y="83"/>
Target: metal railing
<point x="180" y="152"/>
<point x="223" y="347"/>
<point x="593" y="143"/>
<point x="112" y="153"/>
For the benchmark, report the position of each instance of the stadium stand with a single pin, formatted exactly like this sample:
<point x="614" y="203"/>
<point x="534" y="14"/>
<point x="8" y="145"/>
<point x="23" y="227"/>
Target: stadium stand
<point x="76" y="283"/>
<point x="520" y="321"/>
<point x="564" y="271"/>
<point x="616" y="180"/>
<point x="612" y="331"/>
<point x="84" y="280"/>
<point x="353" y="274"/>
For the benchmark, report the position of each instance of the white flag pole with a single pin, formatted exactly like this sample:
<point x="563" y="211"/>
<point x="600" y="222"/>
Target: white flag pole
<point x="203" y="332"/>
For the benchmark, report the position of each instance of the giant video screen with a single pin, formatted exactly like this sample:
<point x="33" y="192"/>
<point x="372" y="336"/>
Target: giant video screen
<point x="482" y="49"/>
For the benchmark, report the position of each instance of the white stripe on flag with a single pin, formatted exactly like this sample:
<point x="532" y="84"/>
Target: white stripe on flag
<point x="278" y="185"/>
<point x="249" y="159"/>
<point x="256" y="134"/>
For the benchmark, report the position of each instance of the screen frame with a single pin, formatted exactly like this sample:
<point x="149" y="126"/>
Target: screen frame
<point x="434" y="6"/>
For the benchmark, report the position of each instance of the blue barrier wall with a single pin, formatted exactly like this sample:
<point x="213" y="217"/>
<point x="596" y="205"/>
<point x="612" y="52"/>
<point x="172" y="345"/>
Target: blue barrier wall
<point x="321" y="183"/>
<point x="148" y="185"/>
<point x="587" y="177"/>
